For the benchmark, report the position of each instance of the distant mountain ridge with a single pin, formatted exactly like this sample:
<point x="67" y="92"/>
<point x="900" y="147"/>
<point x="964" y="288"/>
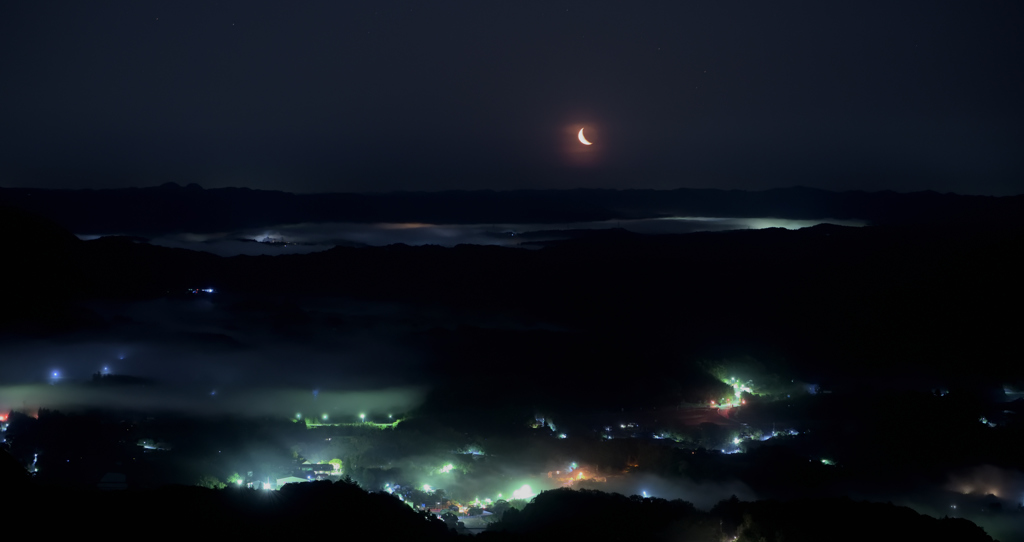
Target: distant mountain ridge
<point x="171" y="208"/>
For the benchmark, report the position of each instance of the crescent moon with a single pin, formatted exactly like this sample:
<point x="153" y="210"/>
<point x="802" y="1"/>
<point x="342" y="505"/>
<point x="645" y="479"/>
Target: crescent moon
<point x="583" y="139"/>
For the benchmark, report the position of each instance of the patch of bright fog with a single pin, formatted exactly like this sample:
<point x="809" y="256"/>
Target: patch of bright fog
<point x="192" y="347"/>
<point x="306" y="238"/>
<point x="281" y="403"/>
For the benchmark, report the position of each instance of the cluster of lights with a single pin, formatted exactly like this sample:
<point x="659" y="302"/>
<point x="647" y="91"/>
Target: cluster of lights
<point x="738" y="388"/>
<point x="362" y="419"/>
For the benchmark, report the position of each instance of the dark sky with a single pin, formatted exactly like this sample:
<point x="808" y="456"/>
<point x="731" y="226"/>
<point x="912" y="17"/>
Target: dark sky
<point x="376" y="96"/>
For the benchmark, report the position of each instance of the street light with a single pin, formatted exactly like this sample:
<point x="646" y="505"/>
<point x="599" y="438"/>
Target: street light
<point x="362" y="417"/>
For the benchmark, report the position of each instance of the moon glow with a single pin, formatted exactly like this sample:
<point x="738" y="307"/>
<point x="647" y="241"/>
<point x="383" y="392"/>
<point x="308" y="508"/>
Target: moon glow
<point x="583" y="139"/>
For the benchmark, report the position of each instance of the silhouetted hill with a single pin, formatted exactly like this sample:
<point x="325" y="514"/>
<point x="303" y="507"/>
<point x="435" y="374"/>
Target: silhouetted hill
<point x="172" y="208"/>
<point x="593" y="515"/>
<point x="13" y="477"/>
<point x="316" y="507"/>
<point x="38" y="269"/>
<point x="185" y="511"/>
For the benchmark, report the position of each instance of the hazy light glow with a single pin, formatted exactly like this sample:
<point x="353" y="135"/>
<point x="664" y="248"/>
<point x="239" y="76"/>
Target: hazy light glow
<point x="524" y="492"/>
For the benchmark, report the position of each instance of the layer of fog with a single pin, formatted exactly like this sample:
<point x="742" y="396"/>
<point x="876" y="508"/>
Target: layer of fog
<point x="210" y="353"/>
<point x="306" y="238"/>
<point x="276" y="402"/>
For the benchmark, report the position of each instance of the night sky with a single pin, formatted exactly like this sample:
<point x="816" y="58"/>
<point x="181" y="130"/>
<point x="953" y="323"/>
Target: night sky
<point x="379" y="96"/>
